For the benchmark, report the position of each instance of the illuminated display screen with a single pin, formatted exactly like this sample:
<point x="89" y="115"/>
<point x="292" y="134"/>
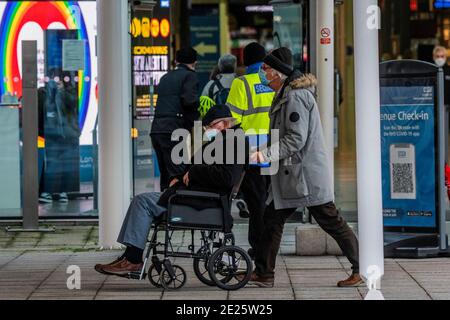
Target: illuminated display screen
<point x="442" y="4"/>
<point x="29" y="20"/>
<point x="151" y="56"/>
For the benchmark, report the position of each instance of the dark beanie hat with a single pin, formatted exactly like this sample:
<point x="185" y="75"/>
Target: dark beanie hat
<point x="254" y="53"/>
<point x="186" y="56"/>
<point x="219" y="111"/>
<point x="281" y="60"/>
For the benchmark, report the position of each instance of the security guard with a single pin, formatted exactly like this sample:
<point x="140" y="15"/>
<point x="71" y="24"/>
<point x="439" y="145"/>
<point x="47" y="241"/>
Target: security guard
<point x="249" y="101"/>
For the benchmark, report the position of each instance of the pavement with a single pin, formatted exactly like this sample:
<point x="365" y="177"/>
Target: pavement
<point x="39" y="266"/>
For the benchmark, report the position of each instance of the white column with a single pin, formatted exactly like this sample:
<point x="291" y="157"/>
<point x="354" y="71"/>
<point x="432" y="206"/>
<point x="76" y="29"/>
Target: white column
<point x="368" y="138"/>
<point x="114" y="118"/>
<point x="325" y="74"/>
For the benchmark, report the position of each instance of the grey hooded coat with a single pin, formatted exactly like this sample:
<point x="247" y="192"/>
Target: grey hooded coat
<point x="303" y="178"/>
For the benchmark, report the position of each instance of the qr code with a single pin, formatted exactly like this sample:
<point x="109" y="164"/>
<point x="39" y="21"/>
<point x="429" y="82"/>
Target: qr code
<point x="403" y="179"/>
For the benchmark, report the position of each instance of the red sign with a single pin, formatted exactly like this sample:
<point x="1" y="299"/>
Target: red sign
<point x="326" y="36"/>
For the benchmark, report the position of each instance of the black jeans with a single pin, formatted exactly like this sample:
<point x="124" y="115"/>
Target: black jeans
<point x="163" y="145"/>
<point x="254" y="189"/>
<point x="328" y="218"/>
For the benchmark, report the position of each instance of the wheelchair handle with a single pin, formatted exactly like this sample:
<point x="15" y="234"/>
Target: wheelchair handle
<point x="197" y="194"/>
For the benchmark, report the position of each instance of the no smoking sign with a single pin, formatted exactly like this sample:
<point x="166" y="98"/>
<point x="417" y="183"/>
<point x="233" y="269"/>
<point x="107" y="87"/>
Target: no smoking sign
<point x="325" y="34"/>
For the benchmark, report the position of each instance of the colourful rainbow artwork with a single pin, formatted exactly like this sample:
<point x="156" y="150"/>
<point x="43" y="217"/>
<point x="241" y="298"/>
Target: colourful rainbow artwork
<point x="15" y="16"/>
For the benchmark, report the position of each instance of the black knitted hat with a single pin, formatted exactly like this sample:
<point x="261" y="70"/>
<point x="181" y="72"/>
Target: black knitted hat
<point x="281" y="60"/>
<point x="217" y="112"/>
<point x="254" y="53"/>
<point x="186" y="56"/>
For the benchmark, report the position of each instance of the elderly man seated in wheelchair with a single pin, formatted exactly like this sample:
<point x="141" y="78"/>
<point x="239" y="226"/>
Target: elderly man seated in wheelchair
<point x="219" y="177"/>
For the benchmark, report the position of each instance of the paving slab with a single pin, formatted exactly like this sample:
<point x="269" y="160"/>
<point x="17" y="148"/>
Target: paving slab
<point x="35" y="267"/>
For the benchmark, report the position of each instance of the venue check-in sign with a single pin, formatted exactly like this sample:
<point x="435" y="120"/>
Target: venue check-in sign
<point x="413" y="146"/>
<point x="151" y="56"/>
<point x="413" y="143"/>
<point x="409" y="155"/>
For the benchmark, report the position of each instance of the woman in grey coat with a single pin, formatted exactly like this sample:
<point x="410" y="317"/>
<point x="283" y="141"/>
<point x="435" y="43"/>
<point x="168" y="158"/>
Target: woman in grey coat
<point x="303" y="178"/>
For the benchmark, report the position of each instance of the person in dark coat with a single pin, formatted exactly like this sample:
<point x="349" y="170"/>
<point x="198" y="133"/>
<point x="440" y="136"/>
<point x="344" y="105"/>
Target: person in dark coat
<point x="218" y="177"/>
<point x="176" y="108"/>
<point x="61" y="130"/>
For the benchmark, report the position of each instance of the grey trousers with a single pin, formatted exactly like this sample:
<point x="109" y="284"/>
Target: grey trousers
<point x="141" y="213"/>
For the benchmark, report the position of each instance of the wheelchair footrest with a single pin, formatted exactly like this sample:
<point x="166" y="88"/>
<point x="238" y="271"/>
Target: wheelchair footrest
<point x="135" y="275"/>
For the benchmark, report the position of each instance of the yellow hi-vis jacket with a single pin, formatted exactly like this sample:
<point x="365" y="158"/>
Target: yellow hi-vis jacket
<point x="250" y="101"/>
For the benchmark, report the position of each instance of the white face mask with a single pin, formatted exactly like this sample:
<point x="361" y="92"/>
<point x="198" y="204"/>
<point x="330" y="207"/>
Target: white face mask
<point x="211" y="134"/>
<point x="440" y="62"/>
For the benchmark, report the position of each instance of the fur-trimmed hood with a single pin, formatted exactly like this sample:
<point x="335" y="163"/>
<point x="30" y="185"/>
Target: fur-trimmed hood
<point x="305" y="81"/>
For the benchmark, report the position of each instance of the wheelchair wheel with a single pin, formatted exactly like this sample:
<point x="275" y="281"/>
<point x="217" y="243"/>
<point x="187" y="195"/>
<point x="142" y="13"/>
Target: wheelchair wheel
<point x="201" y="268"/>
<point x="154" y="277"/>
<point x="173" y="279"/>
<point x="202" y="272"/>
<point x="230" y="268"/>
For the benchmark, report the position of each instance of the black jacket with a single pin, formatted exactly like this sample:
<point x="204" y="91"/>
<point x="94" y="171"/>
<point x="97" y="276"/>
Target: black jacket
<point x="178" y="101"/>
<point x="217" y="177"/>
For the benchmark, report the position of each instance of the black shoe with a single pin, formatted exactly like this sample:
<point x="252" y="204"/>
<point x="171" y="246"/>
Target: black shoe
<point x="243" y="210"/>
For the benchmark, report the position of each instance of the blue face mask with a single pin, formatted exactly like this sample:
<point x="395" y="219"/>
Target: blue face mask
<point x="263" y="77"/>
<point x="211" y="134"/>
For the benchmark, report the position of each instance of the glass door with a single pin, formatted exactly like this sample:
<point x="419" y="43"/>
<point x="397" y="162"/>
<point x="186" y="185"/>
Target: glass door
<point x="150" y="60"/>
<point x="65" y="34"/>
<point x="291" y="25"/>
<point x="10" y="182"/>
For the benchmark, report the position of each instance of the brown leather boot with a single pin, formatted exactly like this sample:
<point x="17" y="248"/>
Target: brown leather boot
<point x="99" y="267"/>
<point x="122" y="268"/>
<point x="261" y="282"/>
<point x="354" y="280"/>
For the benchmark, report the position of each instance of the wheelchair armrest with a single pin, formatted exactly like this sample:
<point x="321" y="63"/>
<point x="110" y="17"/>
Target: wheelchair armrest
<point x="196" y="194"/>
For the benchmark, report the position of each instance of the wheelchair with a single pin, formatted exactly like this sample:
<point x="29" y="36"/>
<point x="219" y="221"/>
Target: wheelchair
<point x="217" y="261"/>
